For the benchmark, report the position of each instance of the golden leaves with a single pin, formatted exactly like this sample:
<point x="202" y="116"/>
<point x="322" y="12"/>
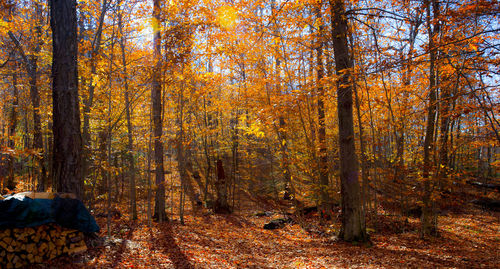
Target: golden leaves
<point x="227" y="16"/>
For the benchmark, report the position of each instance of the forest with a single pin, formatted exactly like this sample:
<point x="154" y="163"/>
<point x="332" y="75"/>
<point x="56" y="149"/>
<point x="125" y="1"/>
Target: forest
<point x="256" y="133"/>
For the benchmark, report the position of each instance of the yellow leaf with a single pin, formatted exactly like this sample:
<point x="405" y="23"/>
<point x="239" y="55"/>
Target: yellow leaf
<point x="227" y="16"/>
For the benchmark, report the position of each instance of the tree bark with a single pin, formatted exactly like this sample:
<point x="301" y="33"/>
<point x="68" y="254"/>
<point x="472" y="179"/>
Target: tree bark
<point x="353" y="218"/>
<point x="31" y="66"/>
<point x="35" y="101"/>
<point x="429" y="227"/>
<point x="221" y="205"/>
<point x="160" y="213"/>
<point x="281" y="132"/>
<point x="128" y="111"/>
<point x="11" y="183"/>
<point x="326" y="203"/>
<point x="88" y="99"/>
<point x="66" y="113"/>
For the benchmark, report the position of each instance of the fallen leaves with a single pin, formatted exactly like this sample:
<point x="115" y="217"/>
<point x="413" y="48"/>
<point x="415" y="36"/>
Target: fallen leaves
<point x="237" y="241"/>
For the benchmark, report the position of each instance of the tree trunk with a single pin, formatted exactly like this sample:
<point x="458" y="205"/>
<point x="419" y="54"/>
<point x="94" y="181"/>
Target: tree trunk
<point x="128" y="111"/>
<point x="11" y="183"/>
<point x="221" y="205"/>
<point x="160" y="213"/>
<point x="429" y="227"/>
<point x="88" y="100"/>
<point x="326" y="203"/>
<point x="35" y="101"/>
<point x="353" y="218"/>
<point x="281" y="132"/>
<point x="37" y="126"/>
<point x="66" y="111"/>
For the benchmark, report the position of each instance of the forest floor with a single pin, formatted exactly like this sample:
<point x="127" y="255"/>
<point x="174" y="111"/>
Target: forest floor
<point x="470" y="239"/>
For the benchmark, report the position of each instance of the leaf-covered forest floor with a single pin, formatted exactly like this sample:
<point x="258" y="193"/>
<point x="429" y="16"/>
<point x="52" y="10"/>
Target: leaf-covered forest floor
<point x="467" y="240"/>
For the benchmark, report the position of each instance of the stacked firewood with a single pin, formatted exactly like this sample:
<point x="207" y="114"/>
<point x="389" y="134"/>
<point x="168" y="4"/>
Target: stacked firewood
<point x="22" y="246"/>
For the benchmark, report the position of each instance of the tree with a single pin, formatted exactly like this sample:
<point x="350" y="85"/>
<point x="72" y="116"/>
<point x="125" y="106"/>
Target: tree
<point x="326" y="202"/>
<point x="128" y="113"/>
<point x="66" y="112"/>
<point x="429" y="226"/>
<point x="156" y="98"/>
<point x="353" y="219"/>
<point x="88" y="96"/>
<point x="30" y="62"/>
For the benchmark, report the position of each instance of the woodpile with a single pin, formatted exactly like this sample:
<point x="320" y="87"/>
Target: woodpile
<point x="23" y="246"/>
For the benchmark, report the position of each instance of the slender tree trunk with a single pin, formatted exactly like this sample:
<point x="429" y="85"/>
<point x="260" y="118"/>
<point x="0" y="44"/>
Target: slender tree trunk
<point x="326" y="203"/>
<point x="353" y="217"/>
<point x="148" y="174"/>
<point x="35" y="101"/>
<point x="234" y="150"/>
<point x="206" y="151"/>
<point x="37" y="126"/>
<point x="443" y="135"/>
<point x="128" y="112"/>
<point x="108" y="143"/>
<point x="88" y="99"/>
<point x="156" y="98"/>
<point x="181" y="156"/>
<point x="281" y="132"/>
<point x="364" y="166"/>
<point x="67" y="164"/>
<point x="428" y="225"/>
<point x="221" y="205"/>
<point x="11" y="183"/>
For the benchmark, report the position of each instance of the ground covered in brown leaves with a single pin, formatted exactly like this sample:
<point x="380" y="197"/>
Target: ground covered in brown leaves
<point x="467" y="240"/>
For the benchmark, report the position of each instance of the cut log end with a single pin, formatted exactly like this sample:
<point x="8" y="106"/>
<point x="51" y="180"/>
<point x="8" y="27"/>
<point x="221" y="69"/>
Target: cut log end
<point x="20" y="247"/>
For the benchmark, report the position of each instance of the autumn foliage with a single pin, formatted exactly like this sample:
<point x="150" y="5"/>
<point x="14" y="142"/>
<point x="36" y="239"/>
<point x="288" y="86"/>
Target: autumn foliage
<point x="272" y="95"/>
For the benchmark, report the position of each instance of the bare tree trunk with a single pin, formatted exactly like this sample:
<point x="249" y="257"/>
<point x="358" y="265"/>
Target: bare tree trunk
<point x="282" y="135"/>
<point x="221" y="205"/>
<point x="67" y="165"/>
<point x="128" y="111"/>
<point x="35" y="101"/>
<point x="88" y="99"/>
<point x="108" y="142"/>
<point x="206" y="150"/>
<point x="11" y="183"/>
<point x="364" y="166"/>
<point x="160" y="213"/>
<point x="326" y="203"/>
<point x="148" y="173"/>
<point x="353" y="217"/>
<point x="31" y="65"/>
<point x="428" y="225"/>
<point x="234" y="150"/>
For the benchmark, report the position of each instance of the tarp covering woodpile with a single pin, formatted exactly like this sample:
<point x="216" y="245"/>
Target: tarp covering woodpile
<point x="36" y="227"/>
<point x="20" y="211"/>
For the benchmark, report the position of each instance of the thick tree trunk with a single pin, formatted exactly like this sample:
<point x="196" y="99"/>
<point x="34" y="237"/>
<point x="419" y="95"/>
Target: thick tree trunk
<point x="160" y="213"/>
<point x="66" y="112"/>
<point x="353" y="218"/>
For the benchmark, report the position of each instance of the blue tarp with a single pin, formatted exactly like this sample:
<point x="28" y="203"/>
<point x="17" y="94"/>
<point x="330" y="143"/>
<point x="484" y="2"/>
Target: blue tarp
<point x="18" y="211"/>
